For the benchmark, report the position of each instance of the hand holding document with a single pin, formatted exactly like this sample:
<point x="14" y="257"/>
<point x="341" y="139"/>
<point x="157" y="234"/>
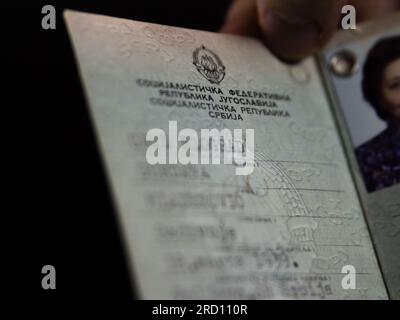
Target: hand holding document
<point x="203" y="107"/>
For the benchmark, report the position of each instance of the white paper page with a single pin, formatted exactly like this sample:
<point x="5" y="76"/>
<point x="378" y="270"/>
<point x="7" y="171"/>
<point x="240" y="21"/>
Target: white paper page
<point x="201" y="231"/>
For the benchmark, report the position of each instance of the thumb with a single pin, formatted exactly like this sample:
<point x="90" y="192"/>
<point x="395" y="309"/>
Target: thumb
<point x="294" y="29"/>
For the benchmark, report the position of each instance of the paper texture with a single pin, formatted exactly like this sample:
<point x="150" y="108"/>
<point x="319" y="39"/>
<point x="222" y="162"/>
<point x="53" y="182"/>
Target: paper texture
<point x="201" y="231"/>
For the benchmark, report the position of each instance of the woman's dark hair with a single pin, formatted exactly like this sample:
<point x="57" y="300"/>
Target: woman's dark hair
<point x="381" y="55"/>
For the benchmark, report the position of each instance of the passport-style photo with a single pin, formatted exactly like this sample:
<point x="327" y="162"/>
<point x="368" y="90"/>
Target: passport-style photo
<point x="371" y="106"/>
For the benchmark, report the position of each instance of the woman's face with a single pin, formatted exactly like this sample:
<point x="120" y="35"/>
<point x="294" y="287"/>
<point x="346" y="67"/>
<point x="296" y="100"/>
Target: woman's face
<point x="391" y="90"/>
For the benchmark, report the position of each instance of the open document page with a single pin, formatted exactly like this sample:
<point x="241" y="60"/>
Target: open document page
<point x="226" y="166"/>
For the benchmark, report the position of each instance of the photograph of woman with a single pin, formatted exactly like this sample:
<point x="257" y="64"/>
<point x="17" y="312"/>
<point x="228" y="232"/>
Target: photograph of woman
<point x="379" y="158"/>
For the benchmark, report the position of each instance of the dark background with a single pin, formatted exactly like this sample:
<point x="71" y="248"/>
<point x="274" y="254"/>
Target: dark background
<point x="56" y="206"/>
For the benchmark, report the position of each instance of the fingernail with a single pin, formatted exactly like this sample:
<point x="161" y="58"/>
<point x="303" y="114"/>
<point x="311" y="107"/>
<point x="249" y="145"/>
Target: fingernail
<point x="291" y="38"/>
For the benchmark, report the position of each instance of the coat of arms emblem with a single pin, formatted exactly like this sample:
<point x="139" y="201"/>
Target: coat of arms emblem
<point x="209" y="65"/>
